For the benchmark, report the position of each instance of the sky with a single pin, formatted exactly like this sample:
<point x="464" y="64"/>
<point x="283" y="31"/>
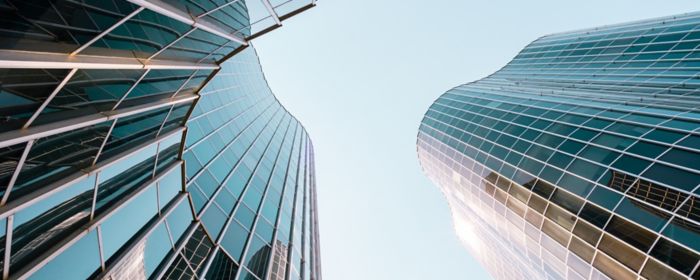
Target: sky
<point x="360" y="74"/>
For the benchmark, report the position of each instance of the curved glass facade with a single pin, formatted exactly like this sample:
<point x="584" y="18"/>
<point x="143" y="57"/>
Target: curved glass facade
<point x="580" y="158"/>
<point x="139" y="140"/>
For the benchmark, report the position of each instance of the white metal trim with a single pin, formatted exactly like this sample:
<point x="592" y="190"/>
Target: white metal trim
<point x="8" y="247"/>
<point x="46" y="60"/>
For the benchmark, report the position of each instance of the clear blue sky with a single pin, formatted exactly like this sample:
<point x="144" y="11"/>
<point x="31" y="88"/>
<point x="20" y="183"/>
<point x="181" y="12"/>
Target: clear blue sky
<point x="360" y="74"/>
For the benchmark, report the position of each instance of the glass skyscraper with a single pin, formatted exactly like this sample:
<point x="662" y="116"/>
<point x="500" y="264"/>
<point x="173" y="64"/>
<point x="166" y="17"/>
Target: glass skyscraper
<point x="580" y="158"/>
<point x="139" y="140"/>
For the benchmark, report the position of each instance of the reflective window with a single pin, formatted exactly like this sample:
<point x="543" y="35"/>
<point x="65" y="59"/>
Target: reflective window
<point x="222" y="268"/>
<point x="85" y="252"/>
<point x="157" y="248"/>
<point x="621" y="252"/>
<point x="169" y="186"/>
<point x="611" y="268"/>
<point x="581" y="249"/>
<point x="663" y="136"/>
<point x="197" y="249"/>
<point x="41" y="225"/>
<point x="685" y="232"/>
<point x="560" y="216"/>
<point x="145" y="34"/>
<point x="631" y="233"/>
<point x="567" y="201"/>
<point x="131" y="131"/>
<point x="631" y="165"/>
<point x="682" y="179"/>
<point x="646" y="149"/>
<point x="68" y="22"/>
<point x="594" y="215"/>
<point x="213" y="220"/>
<point x="575" y="184"/>
<point x="119" y="180"/>
<point x="234" y="240"/>
<point x="655" y="270"/>
<point x="57" y="156"/>
<point x="543" y="188"/>
<point x="257" y="257"/>
<point x="682" y="158"/>
<point x="89" y="91"/>
<point x="179" y="220"/>
<point x="127" y="221"/>
<point x="676" y="256"/>
<point x="641" y="213"/>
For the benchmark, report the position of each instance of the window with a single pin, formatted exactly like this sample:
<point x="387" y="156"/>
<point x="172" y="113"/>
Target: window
<point x="642" y="213"/>
<point x="685" y="232"/>
<point x="676" y="256"/>
<point x="575" y="184"/>
<point x="634" y="235"/>
<point x="681" y="179"/>
<point x="626" y="255"/>
<point x="567" y="201"/>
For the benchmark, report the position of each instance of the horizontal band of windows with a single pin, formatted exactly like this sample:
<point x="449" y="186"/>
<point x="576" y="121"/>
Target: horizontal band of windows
<point x="38" y="195"/>
<point x="19" y="136"/>
<point x="37" y="263"/>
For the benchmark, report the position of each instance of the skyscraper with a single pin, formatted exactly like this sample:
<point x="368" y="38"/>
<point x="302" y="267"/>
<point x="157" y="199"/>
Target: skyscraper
<point x="580" y="158"/>
<point x="139" y="140"/>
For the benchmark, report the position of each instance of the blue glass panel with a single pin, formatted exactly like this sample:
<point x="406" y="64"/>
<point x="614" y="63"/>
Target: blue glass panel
<point x="157" y="247"/>
<point x="213" y="220"/>
<point x="685" y="232"/>
<point x="169" y="186"/>
<point x="234" y="240"/>
<point x="257" y="257"/>
<point x="641" y="213"/>
<point x="127" y="221"/>
<point x="84" y="252"/>
<point x="41" y="225"/>
<point x="179" y="220"/>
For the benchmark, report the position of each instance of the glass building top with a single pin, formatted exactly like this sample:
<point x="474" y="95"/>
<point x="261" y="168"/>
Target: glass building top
<point x="584" y="142"/>
<point x="139" y="140"/>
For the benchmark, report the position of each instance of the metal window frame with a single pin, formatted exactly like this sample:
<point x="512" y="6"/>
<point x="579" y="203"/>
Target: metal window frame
<point x="46" y="60"/>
